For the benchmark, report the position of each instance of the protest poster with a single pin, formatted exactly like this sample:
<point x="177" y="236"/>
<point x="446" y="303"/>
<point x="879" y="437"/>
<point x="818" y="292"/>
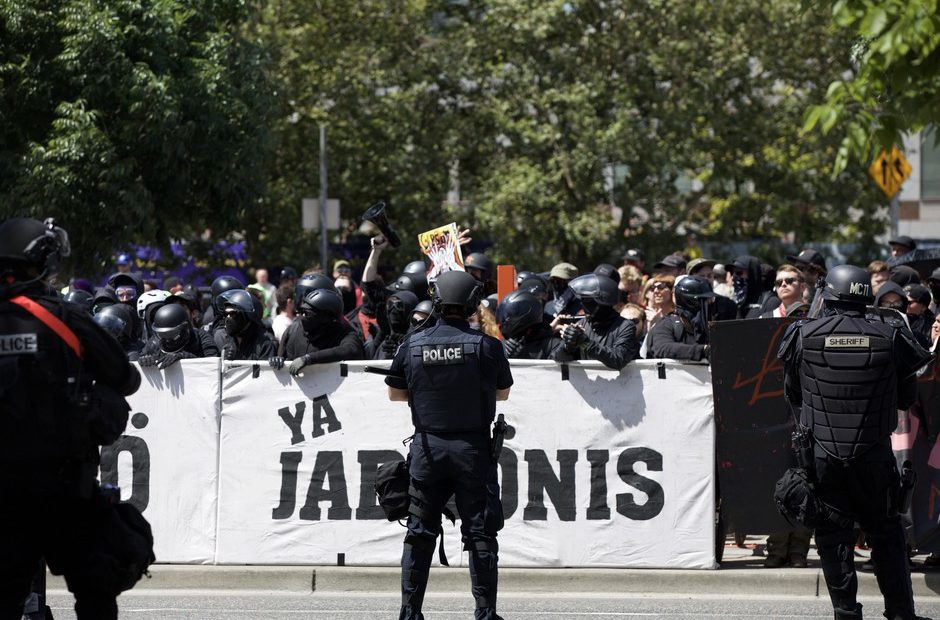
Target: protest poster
<point x="441" y="245"/>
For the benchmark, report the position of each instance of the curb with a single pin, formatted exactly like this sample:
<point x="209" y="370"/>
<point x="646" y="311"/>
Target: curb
<point x="330" y="579"/>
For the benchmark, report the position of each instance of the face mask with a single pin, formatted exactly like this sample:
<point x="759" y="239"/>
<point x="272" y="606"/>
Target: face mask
<point x="740" y="289"/>
<point x="316" y="323"/>
<point x="397" y="319"/>
<point x="175" y="344"/>
<point x="559" y="286"/>
<point x="590" y="307"/>
<point x="235" y="323"/>
<point x="349" y="299"/>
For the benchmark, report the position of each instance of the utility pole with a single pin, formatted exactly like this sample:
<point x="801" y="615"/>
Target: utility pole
<point x="324" y="245"/>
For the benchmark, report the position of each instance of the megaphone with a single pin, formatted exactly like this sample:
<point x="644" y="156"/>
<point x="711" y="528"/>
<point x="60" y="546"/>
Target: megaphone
<point x="376" y="215"/>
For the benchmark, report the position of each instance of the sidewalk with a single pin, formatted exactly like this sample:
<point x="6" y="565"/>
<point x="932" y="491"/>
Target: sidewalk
<point x="741" y="573"/>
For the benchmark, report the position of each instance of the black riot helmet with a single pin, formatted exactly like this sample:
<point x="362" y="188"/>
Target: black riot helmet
<point x="416" y="266"/>
<point x="848" y="284"/>
<point x="80" y="298"/>
<point x="240" y="309"/>
<point x="171" y="324"/>
<point x="458" y="292"/>
<point x="691" y="290"/>
<point x="416" y="282"/>
<point x="480" y="261"/>
<point x="323" y="301"/>
<point x="524" y="275"/>
<point x="308" y="283"/>
<point x="118" y="320"/>
<point x="219" y="286"/>
<point x="598" y="288"/>
<point x="537" y="285"/>
<point x="28" y="243"/>
<point x="517" y="312"/>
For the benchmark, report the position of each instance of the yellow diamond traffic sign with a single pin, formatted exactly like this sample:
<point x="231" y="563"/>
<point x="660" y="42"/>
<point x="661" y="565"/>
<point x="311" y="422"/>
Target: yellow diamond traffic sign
<point x="890" y="170"/>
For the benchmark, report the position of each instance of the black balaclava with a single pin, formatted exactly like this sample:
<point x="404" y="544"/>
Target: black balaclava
<point x="236" y="323"/>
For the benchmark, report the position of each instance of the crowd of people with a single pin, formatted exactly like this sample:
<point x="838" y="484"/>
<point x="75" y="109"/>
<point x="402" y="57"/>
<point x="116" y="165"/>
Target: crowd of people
<point x="613" y="314"/>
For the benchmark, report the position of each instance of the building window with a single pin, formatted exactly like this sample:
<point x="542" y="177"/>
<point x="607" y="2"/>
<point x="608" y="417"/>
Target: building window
<point x="929" y="166"/>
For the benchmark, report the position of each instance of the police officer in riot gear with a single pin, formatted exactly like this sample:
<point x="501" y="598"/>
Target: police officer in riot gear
<point x="80" y="298"/>
<point x="603" y="334"/>
<point x="320" y="335"/>
<point x="850" y="376"/>
<point x="62" y="388"/>
<point x="245" y="336"/>
<point x="451" y="376"/>
<point x="423" y="315"/>
<point x="683" y="334"/>
<point x="175" y="339"/>
<point x="525" y="334"/>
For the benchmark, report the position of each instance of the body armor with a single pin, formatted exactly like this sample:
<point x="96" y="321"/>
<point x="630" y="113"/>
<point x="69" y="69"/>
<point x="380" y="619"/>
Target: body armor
<point x="445" y="381"/>
<point x="849" y="383"/>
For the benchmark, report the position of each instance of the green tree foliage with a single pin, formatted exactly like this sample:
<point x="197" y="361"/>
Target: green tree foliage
<point x="892" y="85"/>
<point x="695" y="107"/>
<point x="132" y="120"/>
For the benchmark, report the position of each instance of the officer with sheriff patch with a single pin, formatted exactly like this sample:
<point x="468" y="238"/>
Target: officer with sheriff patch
<point x="850" y="375"/>
<point x="451" y="376"/>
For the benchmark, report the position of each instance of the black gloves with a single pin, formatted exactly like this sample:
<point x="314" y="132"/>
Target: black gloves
<point x="512" y="346"/>
<point x="147" y="361"/>
<point x="297" y="366"/>
<point x="276" y="362"/>
<point x="168" y="359"/>
<point x="573" y="336"/>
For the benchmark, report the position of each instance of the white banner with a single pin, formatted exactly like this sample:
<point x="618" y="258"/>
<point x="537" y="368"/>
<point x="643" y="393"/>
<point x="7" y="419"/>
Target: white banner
<point x="602" y="468"/>
<point x="166" y="463"/>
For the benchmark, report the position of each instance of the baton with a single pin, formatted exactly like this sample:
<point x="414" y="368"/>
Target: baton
<point x="499" y="432"/>
<point x="376" y="370"/>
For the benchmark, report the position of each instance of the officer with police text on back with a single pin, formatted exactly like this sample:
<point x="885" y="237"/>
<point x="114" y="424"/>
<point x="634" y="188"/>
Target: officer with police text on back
<point x="451" y="376"/>
<point x="62" y="386"/>
<point x="851" y="375"/>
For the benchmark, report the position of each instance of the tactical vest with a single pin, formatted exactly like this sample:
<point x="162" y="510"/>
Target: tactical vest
<point x="849" y="384"/>
<point x="40" y="384"/>
<point x="445" y="381"/>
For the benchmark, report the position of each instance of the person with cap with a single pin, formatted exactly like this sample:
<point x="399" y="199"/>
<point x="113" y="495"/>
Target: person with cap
<point x="63" y="397"/>
<point x="683" y="333"/>
<point x="288" y="276"/>
<point x="902" y="275"/>
<point x="564" y="301"/>
<point x="451" y="376"/>
<point x="848" y="377"/>
<point x="601" y="334"/>
<point x="918" y="311"/>
<point x="901" y="245"/>
<point x="672" y="265"/>
<point x="124" y="262"/>
<point x="635" y="257"/>
<point x="933" y="283"/>
<point x="701" y="267"/>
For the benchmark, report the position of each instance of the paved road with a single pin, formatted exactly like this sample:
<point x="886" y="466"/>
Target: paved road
<point x="242" y="605"/>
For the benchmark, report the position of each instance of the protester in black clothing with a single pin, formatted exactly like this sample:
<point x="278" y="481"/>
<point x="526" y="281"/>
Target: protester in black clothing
<point x="320" y="336"/>
<point x="62" y="398"/>
<point x="525" y="335"/>
<point x="747" y="280"/>
<point x="398" y="310"/>
<point x="119" y="321"/>
<point x="175" y="339"/>
<point x="918" y="312"/>
<point x="683" y="334"/>
<point x="602" y="334"/>
<point x="245" y="338"/>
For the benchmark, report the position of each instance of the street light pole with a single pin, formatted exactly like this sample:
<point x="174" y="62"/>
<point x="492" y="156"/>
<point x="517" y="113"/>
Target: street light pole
<point x="324" y="246"/>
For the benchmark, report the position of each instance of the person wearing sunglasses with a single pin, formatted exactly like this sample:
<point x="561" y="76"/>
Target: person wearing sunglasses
<point x="789" y="286"/>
